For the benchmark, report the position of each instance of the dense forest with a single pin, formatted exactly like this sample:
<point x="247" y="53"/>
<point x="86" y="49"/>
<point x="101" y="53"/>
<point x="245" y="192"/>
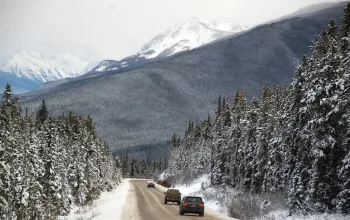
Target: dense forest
<point x="48" y="164"/>
<point x="294" y="139"/>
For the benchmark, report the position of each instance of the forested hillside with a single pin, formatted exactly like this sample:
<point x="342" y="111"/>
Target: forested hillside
<point x="47" y="165"/>
<point x="294" y="139"/>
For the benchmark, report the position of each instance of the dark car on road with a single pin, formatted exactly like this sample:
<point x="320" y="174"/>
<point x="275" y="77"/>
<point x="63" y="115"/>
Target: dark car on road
<point x="192" y="204"/>
<point x="150" y="184"/>
<point x="172" y="195"/>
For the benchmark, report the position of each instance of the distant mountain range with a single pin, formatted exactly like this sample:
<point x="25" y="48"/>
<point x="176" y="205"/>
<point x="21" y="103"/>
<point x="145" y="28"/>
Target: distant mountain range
<point x="31" y="69"/>
<point x="142" y="108"/>
<point x="26" y="70"/>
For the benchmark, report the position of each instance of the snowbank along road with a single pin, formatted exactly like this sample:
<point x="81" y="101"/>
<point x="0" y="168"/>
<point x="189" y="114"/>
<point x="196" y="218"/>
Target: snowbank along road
<point x="150" y="205"/>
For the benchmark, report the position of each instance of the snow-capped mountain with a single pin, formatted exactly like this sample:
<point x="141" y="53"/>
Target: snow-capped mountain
<point x="193" y="33"/>
<point x="44" y="66"/>
<point x="188" y="35"/>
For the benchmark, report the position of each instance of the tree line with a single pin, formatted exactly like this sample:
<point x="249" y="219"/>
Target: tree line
<point x="48" y="164"/>
<point x="142" y="168"/>
<point x="294" y="139"/>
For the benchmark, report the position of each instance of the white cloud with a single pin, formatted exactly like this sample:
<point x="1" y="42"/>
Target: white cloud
<point x="117" y="28"/>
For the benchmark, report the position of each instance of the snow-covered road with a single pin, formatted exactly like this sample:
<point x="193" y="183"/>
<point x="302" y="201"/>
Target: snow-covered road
<point x="151" y="205"/>
<point x="122" y="203"/>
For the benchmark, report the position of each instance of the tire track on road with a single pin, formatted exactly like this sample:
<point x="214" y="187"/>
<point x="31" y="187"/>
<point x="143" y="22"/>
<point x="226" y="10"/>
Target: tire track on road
<point x="143" y="204"/>
<point x="156" y="200"/>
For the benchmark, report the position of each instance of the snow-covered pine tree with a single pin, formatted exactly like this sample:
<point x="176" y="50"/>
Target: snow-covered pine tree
<point x="219" y="155"/>
<point x="322" y="102"/>
<point x="51" y="154"/>
<point x="343" y="198"/>
<point x="273" y="180"/>
<point x="296" y="143"/>
<point x="236" y="168"/>
<point x="43" y="113"/>
<point x="249" y="143"/>
<point x="263" y="135"/>
<point x="10" y="155"/>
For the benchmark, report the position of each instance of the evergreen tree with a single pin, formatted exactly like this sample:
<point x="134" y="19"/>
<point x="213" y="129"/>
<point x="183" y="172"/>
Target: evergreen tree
<point x="43" y="113"/>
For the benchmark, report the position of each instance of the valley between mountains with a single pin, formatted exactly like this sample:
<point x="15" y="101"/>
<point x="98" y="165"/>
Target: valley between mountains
<point x="207" y="120"/>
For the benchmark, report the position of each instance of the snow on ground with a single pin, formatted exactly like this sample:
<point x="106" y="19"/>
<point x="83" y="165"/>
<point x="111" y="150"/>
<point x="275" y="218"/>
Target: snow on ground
<point x="215" y="198"/>
<point x="109" y="206"/>
<point x="283" y="215"/>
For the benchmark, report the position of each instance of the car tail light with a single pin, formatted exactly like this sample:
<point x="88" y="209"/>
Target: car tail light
<point x="201" y="205"/>
<point x="185" y="204"/>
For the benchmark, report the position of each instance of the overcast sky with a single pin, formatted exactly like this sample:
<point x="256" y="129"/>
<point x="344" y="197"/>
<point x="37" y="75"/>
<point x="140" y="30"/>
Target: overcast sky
<point x="117" y="28"/>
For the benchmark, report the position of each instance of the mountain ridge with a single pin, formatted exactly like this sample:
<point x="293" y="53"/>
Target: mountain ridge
<point x="185" y="36"/>
<point x="307" y="11"/>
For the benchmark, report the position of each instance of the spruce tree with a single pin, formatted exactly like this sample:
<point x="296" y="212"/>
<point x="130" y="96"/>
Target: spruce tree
<point x="43" y="113"/>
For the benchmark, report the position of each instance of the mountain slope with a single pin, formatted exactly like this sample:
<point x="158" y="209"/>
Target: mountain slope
<point x="39" y="67"/>
<point x="146" y="106"/>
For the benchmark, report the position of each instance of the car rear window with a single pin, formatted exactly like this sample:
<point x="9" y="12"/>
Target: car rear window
<point x="193" y="200"/>
<point x="173" y="191"/>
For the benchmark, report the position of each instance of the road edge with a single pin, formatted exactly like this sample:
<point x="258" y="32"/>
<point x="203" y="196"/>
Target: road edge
<point x="130" y="209"/>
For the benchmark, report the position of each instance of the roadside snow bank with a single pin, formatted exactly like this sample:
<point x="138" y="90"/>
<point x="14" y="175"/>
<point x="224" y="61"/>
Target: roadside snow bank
<point x="200" y="187"/>
<point x="108" y="206"/>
